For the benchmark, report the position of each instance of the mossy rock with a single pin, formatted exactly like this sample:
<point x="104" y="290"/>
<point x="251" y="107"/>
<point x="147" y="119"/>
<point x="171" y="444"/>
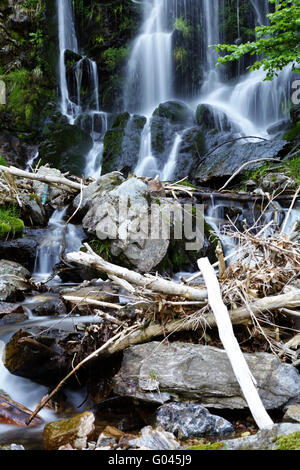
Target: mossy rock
<point x="292" y="133"/>
<point x="65" y="147"/>
<point x="175" y="111"/>
<point x="213" y="446"/>
<point x="11" y="226"/>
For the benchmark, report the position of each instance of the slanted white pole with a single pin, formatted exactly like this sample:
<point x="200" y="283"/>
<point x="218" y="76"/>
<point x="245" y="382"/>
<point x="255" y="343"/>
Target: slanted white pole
<point x="237" y="360"/>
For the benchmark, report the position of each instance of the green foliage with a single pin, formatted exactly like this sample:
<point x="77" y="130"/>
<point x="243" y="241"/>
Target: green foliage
<point x="3" y="162"/>
<point x="293" y="168"/>
<point x="113" y="56"/>
<point x="214" y="446"/>
<point x="278" y="43"/>
<point x="182" y="25"/>
<point x="101" y="248"/>
<point x="289" y="442"/>
<point x="180" y="56"/>
<point x="10" y="224"/>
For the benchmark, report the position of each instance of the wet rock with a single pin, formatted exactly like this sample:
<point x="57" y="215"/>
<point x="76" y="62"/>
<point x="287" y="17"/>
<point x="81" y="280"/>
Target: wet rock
<point x="12" y="447"/>
<point x="266" y="439"/>
<point x="21" y="250"/>
<point x="158" y="373"/>
<point x="122" y="143"/>
<point x="167" y="120"/>
<point x="65" y="146"/>
<point x="209" y="117"/>
<point x="12" y="280"/>
<point x="15" y="413"/>
<point x="43" y="356"/>
<point x="73" y="431"/>
<point x="230" y="157"/>
<point x="105" y="440"/>
<point x="46" y="305"/>
<point x="278" y="127"/>
<point x="155" y="439"/>
<point x="189" y="420"/>
<point x="192" y="147"/>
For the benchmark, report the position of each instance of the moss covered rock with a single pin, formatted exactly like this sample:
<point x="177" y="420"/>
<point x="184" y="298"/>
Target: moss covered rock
<point x="65" y="147"/>
<point x="122" y="143"/>
<point x="73" y="431"/>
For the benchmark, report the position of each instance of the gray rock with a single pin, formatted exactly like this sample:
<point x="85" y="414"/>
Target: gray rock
<point x="157" y="373"/>
<point x="189" y="420"/>
<point x="230" y="157"/>
<point x="292" y="414"/>
<point x="34" y="210"/>
<point x="12" y="280"/>
<point x="21" y="250"/>
<point x="155" y="439"/>
<point x="278" y="182"/>
<point x="278" y="127"/>
<point x="104" y="221"/>
<point x="41" y="188"/>
<point x="263" y="440"/>
<point x="104" y="440"/>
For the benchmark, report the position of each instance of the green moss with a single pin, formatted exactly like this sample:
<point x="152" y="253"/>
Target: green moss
<point x="10" y="224"/>
<point x="289" y="442"/>
<point x="120" y="121"/>
<point x="101" y="248"/>
<point x="214" y="446"/>
<point x="3" y="162"/>
<point x="292" y="133"/>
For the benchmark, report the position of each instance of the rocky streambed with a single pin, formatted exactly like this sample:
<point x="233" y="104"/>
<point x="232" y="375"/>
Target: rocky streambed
<point x="168" y="393"/>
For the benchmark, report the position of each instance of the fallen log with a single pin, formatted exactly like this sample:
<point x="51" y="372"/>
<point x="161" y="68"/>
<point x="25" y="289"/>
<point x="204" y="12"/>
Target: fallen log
<point x="51" y="180"/>
<point x="153" y="283"/>
<point x="238" y="362"/>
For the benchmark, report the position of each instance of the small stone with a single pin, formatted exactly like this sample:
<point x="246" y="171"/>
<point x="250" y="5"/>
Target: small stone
<point x="73" y="431"/>
<point x="292" y="414"/>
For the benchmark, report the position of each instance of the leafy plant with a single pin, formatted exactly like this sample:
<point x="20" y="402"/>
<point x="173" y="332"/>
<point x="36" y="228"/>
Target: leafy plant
<point x="278" y="43"/>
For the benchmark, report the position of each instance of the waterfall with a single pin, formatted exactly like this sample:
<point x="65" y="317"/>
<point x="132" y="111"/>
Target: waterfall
<point x="47" y="255"/>
<point x="73" y="107"/>
<point x="251" y="103"/>
<point x="169" y="168"/>
<point x="212" y="36"/>
<point x="149" y="75"/>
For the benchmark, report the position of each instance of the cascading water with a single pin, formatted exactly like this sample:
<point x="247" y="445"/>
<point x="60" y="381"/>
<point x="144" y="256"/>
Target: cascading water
<point x="251" y="104"/>
<point x="149" y="75"/>
<point x="76" y="111"/>
<point x="50" y="246"/>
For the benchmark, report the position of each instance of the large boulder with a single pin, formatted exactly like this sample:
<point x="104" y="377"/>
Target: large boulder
<point x="228" y="158"/>
<point x="127" y="238"/>
<point x="46" y="359"/>
<point x="158" y="373"/>
<point x="209" y="118"/>
<point x="13" y="281"/>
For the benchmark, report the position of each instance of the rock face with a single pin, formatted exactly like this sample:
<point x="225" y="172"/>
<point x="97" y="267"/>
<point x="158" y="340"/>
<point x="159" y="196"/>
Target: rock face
<point x="73" y="431"/>
<point x="189" y="420"/>
<point x="12" y="280"/>
<point x="158" y="373"/>
<point x="41" y="189"/>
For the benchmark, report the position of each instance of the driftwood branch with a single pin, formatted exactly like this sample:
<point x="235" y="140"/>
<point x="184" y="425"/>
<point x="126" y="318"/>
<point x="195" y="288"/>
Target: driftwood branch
<point x="153" y="283"/>
<point x="51" y="180"/>
<point x="238" y="362"/>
